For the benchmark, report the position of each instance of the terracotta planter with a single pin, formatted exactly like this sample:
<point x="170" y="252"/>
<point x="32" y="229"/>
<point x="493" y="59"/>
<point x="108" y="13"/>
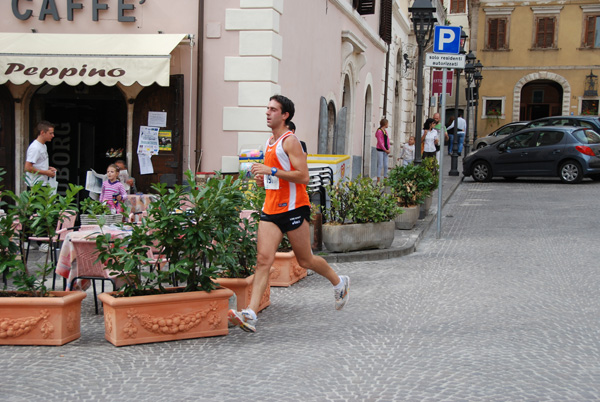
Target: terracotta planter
<point x="41" y="320"/>
<point x="165" y="317"/>
<point x="358" y="236"/>
<point x="242" y="287"/>
<point x="286" y="270"/>
<point x="408" y="218"/>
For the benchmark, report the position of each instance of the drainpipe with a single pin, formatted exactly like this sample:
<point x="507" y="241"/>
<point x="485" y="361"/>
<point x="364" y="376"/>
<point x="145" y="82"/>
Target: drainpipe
<point x="385" y="90"/>
<point x="198" y="150"/>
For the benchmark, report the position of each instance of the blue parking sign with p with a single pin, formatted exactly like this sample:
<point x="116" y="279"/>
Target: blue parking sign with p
<point x="446" y="39"/>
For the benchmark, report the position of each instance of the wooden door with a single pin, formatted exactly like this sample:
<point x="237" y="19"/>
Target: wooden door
<point x="7" y="136"/>
<point x="167" y="165"/>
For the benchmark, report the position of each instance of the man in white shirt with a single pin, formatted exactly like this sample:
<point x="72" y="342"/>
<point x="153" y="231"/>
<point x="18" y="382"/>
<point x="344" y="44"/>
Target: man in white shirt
<point x="37" y="162"/>
<point x="461" y="127"/>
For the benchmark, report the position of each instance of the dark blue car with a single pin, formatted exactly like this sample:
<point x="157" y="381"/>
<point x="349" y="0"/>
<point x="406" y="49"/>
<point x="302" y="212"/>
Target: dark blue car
<point x="571" y="153"/>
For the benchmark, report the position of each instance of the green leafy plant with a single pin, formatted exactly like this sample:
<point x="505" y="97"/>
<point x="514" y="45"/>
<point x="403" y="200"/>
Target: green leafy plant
<point x="432" y="165"/>
<point x="189" y="226"/>
<point x="37" y="210"/>
<point x="410" y="184"/>
<point x="359" y="201"/>
<point x="93" y="207"/>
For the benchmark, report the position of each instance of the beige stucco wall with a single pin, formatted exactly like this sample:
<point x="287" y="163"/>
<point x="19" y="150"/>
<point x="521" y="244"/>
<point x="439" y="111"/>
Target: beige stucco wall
<point x="505" y="72"/>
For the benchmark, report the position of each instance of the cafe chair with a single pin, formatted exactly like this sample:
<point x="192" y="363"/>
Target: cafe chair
<point x="65" y="224"/>
<point x="89" y="267"/>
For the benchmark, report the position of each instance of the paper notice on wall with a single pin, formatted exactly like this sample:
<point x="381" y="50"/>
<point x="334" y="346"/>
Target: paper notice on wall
<point x="145" y="164"/>
<point x="148" y="141"/>
<point x="157" y="119"/>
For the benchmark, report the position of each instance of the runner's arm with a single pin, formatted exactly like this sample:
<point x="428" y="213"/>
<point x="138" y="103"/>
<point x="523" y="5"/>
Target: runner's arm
<point x="297" y="160"/>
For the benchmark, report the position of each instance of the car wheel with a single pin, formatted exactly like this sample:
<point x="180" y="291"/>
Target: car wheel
<point x="481" y="145"/>
<point x="482" y="171"/>
<point x="570" y="172"/>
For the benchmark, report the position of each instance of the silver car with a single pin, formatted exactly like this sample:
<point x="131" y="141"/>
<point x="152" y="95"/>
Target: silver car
<point x="499" y="134"/>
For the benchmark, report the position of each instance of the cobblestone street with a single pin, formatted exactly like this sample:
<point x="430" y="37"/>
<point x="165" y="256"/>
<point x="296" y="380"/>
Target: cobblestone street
<point x="504" y="307"/>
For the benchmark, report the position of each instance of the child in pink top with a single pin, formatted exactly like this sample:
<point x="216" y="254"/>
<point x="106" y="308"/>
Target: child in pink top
<point x="113" y="191"/>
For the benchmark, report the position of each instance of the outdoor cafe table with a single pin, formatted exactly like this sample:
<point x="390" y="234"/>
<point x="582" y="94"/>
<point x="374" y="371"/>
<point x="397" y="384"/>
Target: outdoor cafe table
<point x="68" y="256"/>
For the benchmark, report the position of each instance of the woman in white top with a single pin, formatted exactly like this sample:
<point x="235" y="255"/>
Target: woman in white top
<point x="429" y="139"/>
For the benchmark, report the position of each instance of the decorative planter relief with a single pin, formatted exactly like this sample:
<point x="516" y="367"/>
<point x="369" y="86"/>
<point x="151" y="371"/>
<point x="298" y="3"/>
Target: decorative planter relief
<point x="53" y="320"/>
<point x="242" y="287"/>
<point x="286" y="270"/>
<point x="165" y="317"/>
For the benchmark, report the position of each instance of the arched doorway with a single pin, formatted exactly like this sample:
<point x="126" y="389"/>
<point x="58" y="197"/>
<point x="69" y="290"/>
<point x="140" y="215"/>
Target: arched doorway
<point x="91" y="128"/>
<point x="518" y="112"/>
<point x="7" y="135"/>
<point x="330" y="127"/>
<point x="540" y="98"/>
<point x="340" y="135"/>
<point x="367" y="148"/>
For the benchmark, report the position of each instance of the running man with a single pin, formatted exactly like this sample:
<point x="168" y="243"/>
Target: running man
<point x="284" y="175"/>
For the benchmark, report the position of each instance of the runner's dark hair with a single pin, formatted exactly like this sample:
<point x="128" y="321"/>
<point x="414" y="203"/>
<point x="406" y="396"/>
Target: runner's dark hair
<point x="287" y="106"/>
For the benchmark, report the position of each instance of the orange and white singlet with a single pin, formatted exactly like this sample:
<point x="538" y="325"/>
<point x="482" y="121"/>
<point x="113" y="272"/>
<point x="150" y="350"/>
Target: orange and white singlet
<point x="283" y="196"/>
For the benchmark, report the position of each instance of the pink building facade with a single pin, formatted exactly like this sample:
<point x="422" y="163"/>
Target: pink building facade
<point x="207" y="68"/>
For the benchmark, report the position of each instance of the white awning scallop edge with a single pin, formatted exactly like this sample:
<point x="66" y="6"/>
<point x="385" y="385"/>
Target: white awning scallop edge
<point x="86" y="58"/>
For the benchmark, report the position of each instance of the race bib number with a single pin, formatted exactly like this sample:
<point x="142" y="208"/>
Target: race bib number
<point x="271" y="182"/>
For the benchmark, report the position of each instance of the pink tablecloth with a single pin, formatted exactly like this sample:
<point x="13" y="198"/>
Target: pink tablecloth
<point x="67" y="256"/>
<point x="138" y="202"/>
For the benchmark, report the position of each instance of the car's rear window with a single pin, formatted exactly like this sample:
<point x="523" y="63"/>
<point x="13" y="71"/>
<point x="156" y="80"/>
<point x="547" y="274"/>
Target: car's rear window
<point x="587" y="136"/>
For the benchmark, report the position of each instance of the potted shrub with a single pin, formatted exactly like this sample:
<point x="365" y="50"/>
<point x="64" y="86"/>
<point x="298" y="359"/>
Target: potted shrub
<point x="410" y="185"/>
<point x="151" y="307"/>
<point x="360" y="216"/>
<point x="94" y="212"/>
<point x="32" y="314"/>
<point x="431" y="165"/>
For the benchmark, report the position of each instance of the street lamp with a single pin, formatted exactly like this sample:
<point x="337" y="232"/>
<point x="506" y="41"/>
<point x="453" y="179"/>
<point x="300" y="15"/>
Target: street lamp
<point x="423" y="22"/>
<point x="469" y="71"/>
<point x="454" y="162"/>
<point x="477" y="77"/>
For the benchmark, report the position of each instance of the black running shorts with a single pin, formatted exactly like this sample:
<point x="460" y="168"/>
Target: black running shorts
<point x="288" y="221"/>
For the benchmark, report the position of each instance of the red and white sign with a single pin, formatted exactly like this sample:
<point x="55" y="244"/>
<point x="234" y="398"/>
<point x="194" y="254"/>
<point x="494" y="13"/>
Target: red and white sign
<point x="436" y="84"/>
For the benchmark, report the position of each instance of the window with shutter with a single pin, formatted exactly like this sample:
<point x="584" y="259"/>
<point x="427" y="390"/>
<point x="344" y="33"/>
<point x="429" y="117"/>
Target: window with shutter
<point x="364" y="7"/>
<point x="457" y="6"/>
<point x="385" y="21"/>
<point x="545" y="32"/>
<point x="592" y="31"/>
<point x="496" y="33"/>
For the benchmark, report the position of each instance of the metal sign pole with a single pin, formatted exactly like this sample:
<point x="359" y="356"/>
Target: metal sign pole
<point x="442" y="152"/>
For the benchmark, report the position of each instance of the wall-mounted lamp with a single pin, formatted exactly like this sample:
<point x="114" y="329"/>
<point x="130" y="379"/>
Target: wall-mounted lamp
<point x="591" y="85"/>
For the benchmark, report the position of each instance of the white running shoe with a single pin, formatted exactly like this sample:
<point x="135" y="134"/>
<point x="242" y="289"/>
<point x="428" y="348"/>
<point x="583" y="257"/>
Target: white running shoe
<point x="342" y="295"/>
<point x="243" y="319"/>
<point x="44" y="247"/>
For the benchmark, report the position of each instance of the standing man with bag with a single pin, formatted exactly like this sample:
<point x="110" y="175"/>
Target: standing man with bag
<point x="284" y="175"/>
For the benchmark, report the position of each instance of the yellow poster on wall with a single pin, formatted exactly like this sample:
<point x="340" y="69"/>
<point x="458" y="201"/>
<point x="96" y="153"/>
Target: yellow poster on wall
<point x="164" y="140"/>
